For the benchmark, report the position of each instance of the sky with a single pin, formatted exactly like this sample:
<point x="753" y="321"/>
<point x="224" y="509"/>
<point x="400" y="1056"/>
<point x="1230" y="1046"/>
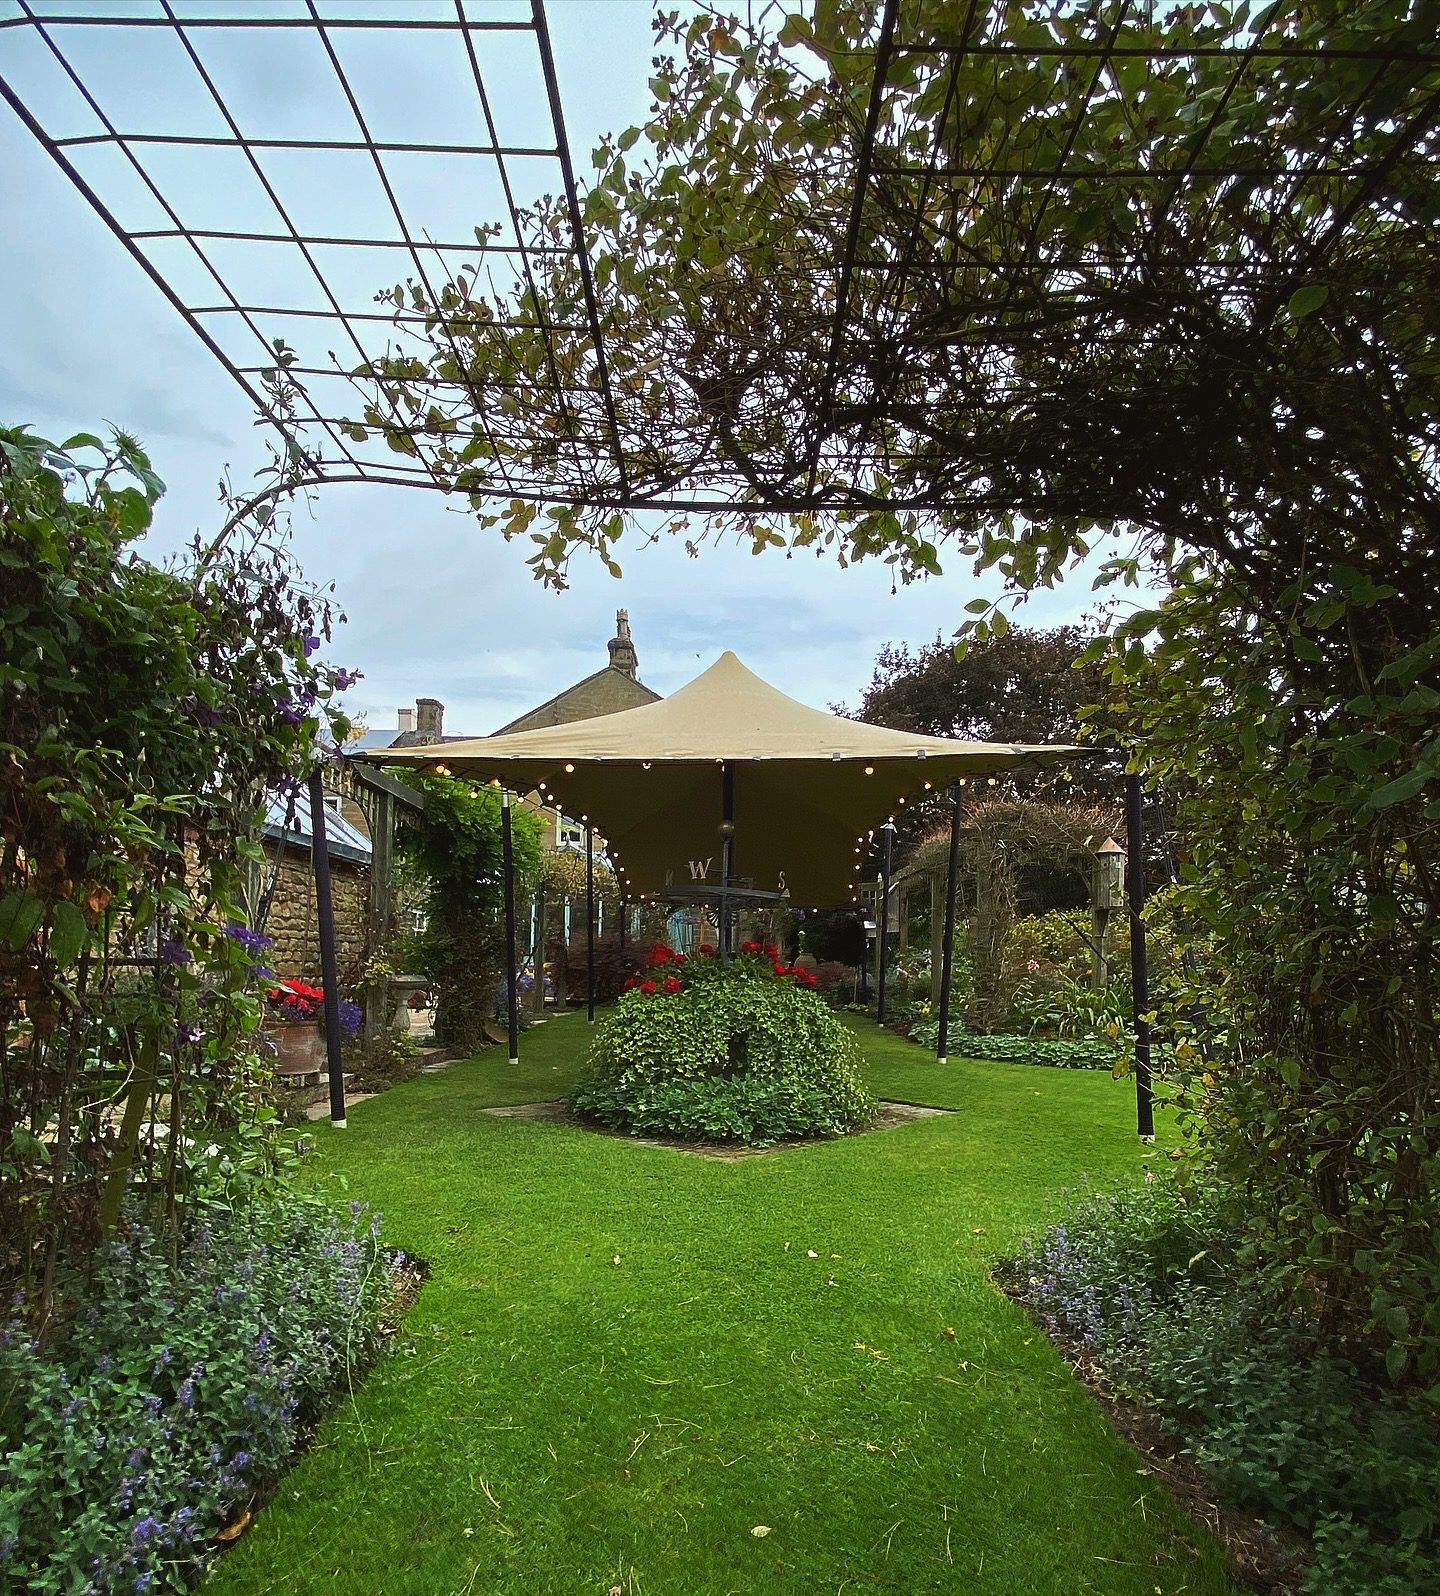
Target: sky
<point x="436" y="606"/>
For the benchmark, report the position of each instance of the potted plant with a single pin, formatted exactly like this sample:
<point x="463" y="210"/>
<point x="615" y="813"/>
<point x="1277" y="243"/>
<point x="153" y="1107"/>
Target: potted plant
<point x="295" y="1021"/>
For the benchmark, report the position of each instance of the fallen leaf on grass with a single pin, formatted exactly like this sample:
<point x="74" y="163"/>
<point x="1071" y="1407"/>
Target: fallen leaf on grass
<point x="233" y="1531"/>
<point x="760" y="1531"/>
<point x="949" y="1333"/>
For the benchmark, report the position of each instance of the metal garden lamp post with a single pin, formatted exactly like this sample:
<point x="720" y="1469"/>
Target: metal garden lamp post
<point x="1107" y="893"/>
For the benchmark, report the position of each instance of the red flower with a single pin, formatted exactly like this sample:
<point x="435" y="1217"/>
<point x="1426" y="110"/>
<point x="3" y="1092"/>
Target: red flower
<point x="631" y="982"/>
<point x="659" y="955"/>
<point x="771" y="951"/>
<point x="648" y="988"/>
<point x="672" y="983"/>
<point x="680" y="958"/>
<point x="708" y="949"/>
<point x="779" y="968"/>
<point x="749" y="947"/>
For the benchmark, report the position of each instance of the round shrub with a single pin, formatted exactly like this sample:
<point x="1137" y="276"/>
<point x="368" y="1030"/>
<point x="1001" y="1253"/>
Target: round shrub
<point x="745" y="1051"/>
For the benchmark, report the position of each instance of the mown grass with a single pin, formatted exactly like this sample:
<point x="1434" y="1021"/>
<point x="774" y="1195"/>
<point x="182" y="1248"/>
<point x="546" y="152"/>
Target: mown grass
<point x="626" y="1359"/>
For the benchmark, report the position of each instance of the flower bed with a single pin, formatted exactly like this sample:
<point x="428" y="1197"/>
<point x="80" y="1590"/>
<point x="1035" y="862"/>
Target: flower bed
<point x="1288" y="1420"/>
<point x="1056" y="1052"/>
<point x="710" y="1051"/>
<point x="176" y="1394"/>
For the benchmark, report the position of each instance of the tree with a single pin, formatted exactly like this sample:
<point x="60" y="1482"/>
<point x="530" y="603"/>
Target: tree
<point x="1016" y="686"/>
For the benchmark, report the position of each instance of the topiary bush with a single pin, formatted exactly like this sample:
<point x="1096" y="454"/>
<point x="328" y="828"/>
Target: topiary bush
<point x="745" y="1051"/>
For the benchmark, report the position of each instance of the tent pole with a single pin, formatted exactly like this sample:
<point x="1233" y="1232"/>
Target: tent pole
<point x="727" y="856"/>
<point x="1139" y="962"/>
<point x="507" y="844"/>
<point x="590" y="923"/>
<point x="624" y="916"/>
<point x="947" y="952"/>
<point x="882" y="928"/>
<point x="325" y="924"/>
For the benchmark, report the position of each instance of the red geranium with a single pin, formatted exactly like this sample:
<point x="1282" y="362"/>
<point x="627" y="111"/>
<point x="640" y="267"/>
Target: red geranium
<point x="749" y="947"/>
<point x="672" y="983"/>
<point x="659" y="955"/>
<point x="648" y="988"/>
<point x="771" y="950"/>
<point x="680" y="958"/>
<point x="708" y="949"/>
<point x="631" y="982"/>
<point x="779" y="968"/>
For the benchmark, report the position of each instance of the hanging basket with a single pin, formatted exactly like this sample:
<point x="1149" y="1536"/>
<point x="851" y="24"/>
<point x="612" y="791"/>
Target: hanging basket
<point x="299" y="1050"/>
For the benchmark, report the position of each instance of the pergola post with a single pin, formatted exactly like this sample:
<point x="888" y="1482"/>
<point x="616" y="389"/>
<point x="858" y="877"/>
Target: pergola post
<point x="882" y="920"/>
<point x="1139" y="962"/>
<point x="590" y="923"/>
<point x="325" y="925"/>
<point x="507" y="844"/>
<point x="947" y="956"/>
<point x="624" y="916"/>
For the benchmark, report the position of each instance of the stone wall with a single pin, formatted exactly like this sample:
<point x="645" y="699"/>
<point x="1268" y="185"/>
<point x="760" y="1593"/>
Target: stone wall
<point x="292" y="915"/>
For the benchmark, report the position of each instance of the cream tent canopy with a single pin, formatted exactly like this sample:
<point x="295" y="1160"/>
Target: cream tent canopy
<point x="807" y="785"/>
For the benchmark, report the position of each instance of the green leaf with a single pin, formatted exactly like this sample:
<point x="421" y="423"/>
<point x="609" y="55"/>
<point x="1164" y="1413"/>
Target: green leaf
<point x="1305" y="301"/>
<point x="68" y="932"/>
<point x="20" y="915"/>
<point x="30" y="1146"/>
<point x="1403" y="787"/>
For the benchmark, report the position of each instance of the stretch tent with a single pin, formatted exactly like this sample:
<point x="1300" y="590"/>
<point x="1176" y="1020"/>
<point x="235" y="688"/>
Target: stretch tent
<point x="805" y="785"/>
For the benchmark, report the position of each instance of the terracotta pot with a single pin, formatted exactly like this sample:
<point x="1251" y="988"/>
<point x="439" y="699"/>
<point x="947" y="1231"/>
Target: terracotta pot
<point x="299" y="1048"/>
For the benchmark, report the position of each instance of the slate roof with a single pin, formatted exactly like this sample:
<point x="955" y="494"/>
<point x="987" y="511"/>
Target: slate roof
<point x="343" y="840"/>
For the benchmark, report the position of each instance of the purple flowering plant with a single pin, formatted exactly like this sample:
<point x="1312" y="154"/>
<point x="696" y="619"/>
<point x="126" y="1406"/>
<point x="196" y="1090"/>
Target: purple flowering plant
<point x="180" y="1390"/>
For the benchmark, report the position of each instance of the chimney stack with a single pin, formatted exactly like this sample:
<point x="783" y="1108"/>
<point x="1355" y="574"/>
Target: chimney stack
<point x="407" y="720"/>
<point x="429" y="719"/>
<point x="623" y="657"/>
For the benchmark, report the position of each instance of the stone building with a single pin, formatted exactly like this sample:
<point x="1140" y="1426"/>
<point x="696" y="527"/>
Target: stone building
<point x="288" y="881"/>
<point x="615" y="686"/>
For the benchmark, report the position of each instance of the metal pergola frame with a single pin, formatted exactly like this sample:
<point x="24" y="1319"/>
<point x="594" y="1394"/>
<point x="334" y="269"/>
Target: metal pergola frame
<point x="864" y="286"/>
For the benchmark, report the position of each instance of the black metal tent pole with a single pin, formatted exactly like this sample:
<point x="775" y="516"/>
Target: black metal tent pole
<point x="624" y="916"/>
<point x="590" y="923"/>
<point x="882" y="929"/>
<point x="947" y="952"/>
<point x="727" y="856"/>
<point x="325" y="924"/>
<point x="507" y="847"/>
<point x="1139" y="962"/>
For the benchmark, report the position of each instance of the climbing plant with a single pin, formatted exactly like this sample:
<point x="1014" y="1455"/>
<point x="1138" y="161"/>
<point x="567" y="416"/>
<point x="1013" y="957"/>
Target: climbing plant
<point x="457" y="845"/>
<point x="144" y="714"/>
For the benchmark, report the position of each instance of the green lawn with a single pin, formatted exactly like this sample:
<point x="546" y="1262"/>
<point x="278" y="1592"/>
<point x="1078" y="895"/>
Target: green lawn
<point x="625" y="1359"/>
